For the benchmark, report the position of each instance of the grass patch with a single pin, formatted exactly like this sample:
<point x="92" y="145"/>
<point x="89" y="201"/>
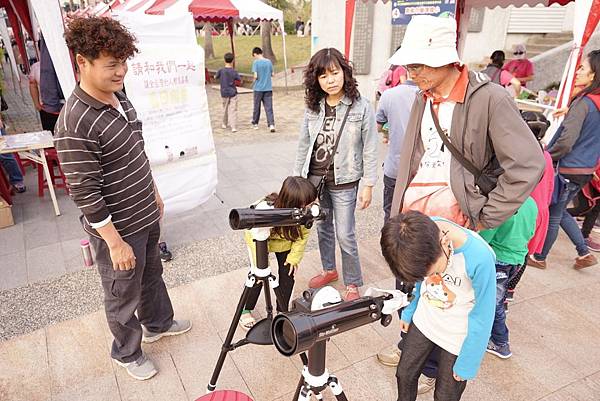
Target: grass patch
<point x="298" y="51"/>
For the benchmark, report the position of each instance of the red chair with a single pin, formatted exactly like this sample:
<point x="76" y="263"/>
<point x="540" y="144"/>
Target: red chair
<point x="23" y="164"/>
<point x="5" y="187"/>
<point x="52" y="160"/>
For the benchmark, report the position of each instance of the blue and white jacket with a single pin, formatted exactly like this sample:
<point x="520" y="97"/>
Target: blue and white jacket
<point x="456" y="309"/>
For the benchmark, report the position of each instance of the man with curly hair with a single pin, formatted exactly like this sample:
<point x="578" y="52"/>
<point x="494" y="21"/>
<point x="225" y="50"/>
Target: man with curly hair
<point x="101" y="149"/>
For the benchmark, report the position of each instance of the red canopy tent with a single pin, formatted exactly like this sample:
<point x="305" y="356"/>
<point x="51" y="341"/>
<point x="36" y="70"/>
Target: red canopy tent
<point x="225" y="11"/>
<point x="18" y="15"/>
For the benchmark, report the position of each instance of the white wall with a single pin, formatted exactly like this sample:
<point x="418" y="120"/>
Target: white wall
<point x="492" y="36"/>
<point x="328" y="25"/>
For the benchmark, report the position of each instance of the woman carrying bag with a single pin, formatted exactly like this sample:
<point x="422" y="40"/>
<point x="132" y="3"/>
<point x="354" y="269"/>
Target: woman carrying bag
<point x="575" y="150"/>
<point x="337" y="148"/>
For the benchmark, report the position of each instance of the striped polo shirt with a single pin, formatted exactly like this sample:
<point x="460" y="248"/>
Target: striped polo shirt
<point x="101" y="152"/>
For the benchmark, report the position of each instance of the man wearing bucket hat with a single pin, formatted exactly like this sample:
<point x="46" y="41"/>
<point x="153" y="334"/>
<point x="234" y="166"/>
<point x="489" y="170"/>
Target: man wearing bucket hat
<point x="467" y="156"/>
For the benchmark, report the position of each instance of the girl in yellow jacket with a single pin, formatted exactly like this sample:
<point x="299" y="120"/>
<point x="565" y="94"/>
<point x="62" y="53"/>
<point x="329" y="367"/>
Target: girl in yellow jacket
<point x="288" y="243"/>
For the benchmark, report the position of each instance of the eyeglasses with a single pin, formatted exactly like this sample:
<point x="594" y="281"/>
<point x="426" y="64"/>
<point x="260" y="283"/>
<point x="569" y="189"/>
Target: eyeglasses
<point x="414" y="68"/>
<point x="518" y="53"/>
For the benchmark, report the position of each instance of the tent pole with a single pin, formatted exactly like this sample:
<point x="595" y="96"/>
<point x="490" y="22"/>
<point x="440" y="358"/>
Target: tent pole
<point x="230" y="27"/>
<point x="282" y="26"/>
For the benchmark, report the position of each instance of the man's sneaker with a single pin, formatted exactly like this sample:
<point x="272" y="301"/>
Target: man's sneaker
<point x="165" y="254"/>
<point x="321" y="280"/>
<point x="533" y="262"/>
<point x="425" y="384"/>
<point x="178" y="327"/>
<point x="233" y="130"/>
<point x="20" y="187"/>
<point x="582" y="262"/>
<point x="592" y="245"/>
<point x="351" y="293"/>
<point x="272" y="128"/>
<point x="254" y="126"/>
<point x="389" y="356"/>
<point x="501" y="351"/>
<point x="140" y="369"/>
<point x="223" y="126"/>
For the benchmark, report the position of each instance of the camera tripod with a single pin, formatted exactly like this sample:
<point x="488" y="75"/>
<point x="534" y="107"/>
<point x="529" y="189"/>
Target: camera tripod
<point x="315" y="377"/>
<point x="259" y="276"/>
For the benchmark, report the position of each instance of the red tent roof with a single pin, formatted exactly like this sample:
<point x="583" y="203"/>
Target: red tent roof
<point x="211" y="10"/>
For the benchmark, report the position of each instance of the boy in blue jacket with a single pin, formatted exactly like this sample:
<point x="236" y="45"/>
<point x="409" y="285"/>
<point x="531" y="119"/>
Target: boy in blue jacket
<point x="454" y="303"/>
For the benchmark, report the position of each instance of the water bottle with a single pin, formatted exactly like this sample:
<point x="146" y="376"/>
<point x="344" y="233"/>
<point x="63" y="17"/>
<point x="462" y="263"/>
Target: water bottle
<point x="86" y="250"/>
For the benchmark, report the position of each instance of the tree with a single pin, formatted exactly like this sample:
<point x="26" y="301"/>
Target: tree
<point x="209" y="50"/>
<point x="266" y="28"/>
<point x="265" y="35"/>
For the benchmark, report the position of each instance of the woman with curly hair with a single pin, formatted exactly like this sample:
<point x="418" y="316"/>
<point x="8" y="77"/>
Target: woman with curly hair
<point x="338" y="147"/>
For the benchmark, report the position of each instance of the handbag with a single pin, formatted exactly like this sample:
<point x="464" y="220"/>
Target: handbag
<point x="319" y="181"/>
<point x="486" y="179"/>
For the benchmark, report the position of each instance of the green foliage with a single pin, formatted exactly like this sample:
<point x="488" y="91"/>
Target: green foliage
<point x="298" y="51"/>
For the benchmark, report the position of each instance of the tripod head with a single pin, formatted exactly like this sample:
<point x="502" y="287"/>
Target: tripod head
<point x="255" y="217"/>
<point x="320" y="314"/>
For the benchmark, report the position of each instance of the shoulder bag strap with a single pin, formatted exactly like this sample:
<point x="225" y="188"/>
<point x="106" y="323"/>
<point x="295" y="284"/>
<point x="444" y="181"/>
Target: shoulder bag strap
<point x="337" y="138"/>
<point x="442" y="133"/>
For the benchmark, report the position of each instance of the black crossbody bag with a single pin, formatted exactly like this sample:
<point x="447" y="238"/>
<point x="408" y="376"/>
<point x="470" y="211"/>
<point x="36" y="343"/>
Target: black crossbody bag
<point x="319" y="181"/>
<point x="486" y="179"/>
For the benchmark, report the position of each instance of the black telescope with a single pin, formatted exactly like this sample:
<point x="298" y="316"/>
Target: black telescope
<point x="247" y="218"/>
<point x="298" y="331"/>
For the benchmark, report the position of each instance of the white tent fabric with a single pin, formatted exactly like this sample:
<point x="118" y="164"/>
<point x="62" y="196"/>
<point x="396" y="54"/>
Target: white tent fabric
<point x="257" y="10"/>
<point x="6" y="36"/>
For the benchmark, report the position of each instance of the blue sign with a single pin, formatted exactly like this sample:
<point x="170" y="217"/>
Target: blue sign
<point x="403" y="10"/>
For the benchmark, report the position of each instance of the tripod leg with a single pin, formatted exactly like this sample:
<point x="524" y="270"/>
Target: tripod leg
<point x="304" y="359"/>
<point x="268" y="302"/>
<point x="336" y="389"/>
<point x="229" y="338"/>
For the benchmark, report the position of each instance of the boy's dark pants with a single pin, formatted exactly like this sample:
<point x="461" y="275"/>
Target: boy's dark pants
<point x="416" y="350"/>
<point x="267" y="100"/>
<point x="141" y="289"/>
<point x="286" y="285"/>
<point x="504" y="273"/>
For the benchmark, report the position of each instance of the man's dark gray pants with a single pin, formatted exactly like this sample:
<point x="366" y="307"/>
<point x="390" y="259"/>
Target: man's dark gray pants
<point x="126" y="291"/>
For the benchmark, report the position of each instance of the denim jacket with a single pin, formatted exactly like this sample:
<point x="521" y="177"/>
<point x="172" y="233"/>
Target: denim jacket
<point x="356" y="155"/>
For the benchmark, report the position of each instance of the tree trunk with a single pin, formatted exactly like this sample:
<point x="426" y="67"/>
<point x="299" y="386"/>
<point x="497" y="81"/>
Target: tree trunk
<point x="209" y="51"/>
<point x="265" y="34"/>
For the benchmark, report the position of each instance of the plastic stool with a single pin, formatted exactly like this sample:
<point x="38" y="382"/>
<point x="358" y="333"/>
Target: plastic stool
<point x="225" y="395"/>
<point x="23" y="164"/>
<point x="52" y="160"/>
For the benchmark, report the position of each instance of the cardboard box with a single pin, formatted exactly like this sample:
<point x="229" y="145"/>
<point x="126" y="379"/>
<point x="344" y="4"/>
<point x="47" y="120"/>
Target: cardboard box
<point x="6" y="217"/>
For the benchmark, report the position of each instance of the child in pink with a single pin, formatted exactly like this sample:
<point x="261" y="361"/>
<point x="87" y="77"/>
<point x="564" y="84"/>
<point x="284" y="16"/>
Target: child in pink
<point x="542" y="195"/>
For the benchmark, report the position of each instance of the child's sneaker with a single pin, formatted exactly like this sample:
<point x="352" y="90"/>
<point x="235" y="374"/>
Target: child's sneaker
<point x="165" y="254"/>
<point x="233" y="130"/>
<point x="272" y="128"/>
<point x="247" y="321"/>
<point x="223" y="126"/>
<point x="510" y="295"/>
<point x="501" y="351"/>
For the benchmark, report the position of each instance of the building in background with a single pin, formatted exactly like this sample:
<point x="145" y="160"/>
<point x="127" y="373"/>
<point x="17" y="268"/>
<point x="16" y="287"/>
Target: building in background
<point x="374" y="38"/>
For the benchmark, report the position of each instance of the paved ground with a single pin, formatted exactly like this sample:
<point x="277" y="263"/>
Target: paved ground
<point x="54" y="340"/>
